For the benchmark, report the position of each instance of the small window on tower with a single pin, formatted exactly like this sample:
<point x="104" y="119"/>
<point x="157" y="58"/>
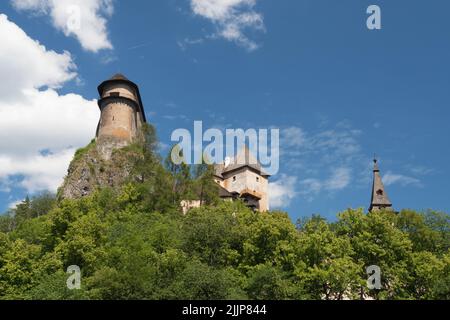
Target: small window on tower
<point x="234" y="179"/>
<point x="114" y="94"/>
<point x="257" y="179"/>
<point x="380" y="192"/>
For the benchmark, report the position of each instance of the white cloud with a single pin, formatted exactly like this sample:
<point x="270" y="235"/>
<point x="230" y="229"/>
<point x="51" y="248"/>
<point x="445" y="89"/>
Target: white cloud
<point x="39" y="172"/>
<point x="84" y="19"/>
<point x="391" y="178"/>
<point x="326" y="147"/>
<point x="313" y="154"/>
<point x="14" y="204"/>
<point x="294" y="137"/>
<point x="183" y="44"/>
<point x="310" y="188"/>
<point x="339" y="179"/>
<point x="231" y="17"/>
<point x="282" y="192"/>
<point x="44" y="120"/>
<point x="39" y="129"/>
<point x="420" y="170"/>
<point x="27" y="64"/>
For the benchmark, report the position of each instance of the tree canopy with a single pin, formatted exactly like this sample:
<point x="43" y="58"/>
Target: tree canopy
<point x="135" y="243"/>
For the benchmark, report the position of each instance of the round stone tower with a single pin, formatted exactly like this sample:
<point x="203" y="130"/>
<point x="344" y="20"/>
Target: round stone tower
<point x="122" y="112"/>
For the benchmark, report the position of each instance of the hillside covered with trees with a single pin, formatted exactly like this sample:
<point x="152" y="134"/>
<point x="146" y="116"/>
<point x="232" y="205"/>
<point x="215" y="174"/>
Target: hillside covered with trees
<point x="134" y="243"/>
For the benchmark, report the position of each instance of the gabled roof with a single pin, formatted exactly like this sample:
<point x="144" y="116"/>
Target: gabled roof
<point x="218" y="169"/>
<point x="224" y="193"/>
<point x="244" y="158"/>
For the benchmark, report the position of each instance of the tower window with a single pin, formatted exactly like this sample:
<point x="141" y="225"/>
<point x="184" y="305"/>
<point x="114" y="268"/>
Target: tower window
<point x="379" y="192"/>
<point x="234" y="179"/>
<point x="257" y="179"/>
<point x="114" y="94"/>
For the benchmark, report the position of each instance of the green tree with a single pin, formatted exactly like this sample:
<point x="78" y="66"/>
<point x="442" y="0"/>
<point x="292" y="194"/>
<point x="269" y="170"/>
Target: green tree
<point x="206" y="188"/>
<point x="181" y="177"/>
<point x="19" y="270"/>
<point x="267" y="282"/>
<point x="376" y="240"/>
<point x="329" y="271"/>
<point x="427" y="270"/>
<point x="213" y="234"/>
<point x="270" y="238"/>
<point x="427" y="232"/>
<point x="199" y="281"/>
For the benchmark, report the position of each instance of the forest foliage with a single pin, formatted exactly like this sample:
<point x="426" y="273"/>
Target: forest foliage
<point x="135" y="243"/>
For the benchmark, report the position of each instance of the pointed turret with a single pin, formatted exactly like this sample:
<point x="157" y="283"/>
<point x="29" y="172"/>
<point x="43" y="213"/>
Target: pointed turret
<point x="380" y="199"/>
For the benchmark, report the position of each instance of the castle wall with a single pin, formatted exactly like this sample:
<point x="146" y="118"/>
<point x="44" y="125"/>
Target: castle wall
<point x="187" y="205"/>
<point x="123" y="89"/>
<point x="236" y="181"/>
<point x="244" y="178"/>
<point x="118" y="120"/>
<point x="264" y="202"/>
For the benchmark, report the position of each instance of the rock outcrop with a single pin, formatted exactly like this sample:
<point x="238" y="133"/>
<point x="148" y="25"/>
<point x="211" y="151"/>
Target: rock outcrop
<point x="99" y="165"/>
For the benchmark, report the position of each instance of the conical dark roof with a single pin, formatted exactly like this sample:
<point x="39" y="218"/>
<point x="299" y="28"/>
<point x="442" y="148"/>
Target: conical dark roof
<point x="380" y="198"/>
<point x="119" y="76"/>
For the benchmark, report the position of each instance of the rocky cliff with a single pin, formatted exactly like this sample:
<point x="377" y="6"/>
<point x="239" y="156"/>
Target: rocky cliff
<point x="100" y="164"/>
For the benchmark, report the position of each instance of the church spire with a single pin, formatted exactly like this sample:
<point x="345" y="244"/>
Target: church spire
<point x="380" y="199"/>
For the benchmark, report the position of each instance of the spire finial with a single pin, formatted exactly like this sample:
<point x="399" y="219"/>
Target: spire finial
<point x="375" y="162"/>
<point x="380" y="199"/>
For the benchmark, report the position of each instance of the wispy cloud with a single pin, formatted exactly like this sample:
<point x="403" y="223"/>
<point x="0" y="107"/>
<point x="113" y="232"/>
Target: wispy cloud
<point x="231" y="18"/>
<point x="176" y="117"/>
<point x="420" y="170"/>
<point x="339" y="179"/>
<point x="139" y="46"/>
<point x="294" y="137"/>
<point x="187" y="42"/>
<point x="282" y="191"/>
<point x="327" y="160"/>
<point x="391" y="178"/>
<point x="109" y="58"/>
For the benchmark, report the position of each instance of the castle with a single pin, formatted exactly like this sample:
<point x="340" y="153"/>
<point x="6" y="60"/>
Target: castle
<point x="122" y="117"/>
<point x="242" y="177"/>
<point x="122" y="113"/>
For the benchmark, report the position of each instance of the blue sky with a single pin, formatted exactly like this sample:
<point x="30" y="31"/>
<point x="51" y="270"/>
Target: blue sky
<point x="337" y="91"/>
